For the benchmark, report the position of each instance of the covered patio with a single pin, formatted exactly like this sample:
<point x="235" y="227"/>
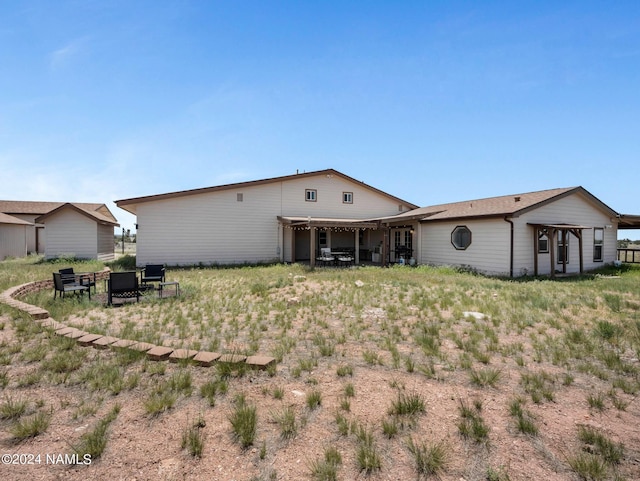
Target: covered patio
<point x="310" y="234"/>
<point x="549" y="232"/>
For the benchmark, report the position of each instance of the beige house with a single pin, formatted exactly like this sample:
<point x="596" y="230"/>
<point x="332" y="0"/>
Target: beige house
<point x="282" y="219"/>
<point x="13" y="236"/>
<point x="82" y="230"/>
<point x="291" y="218"/>
<point x="547" y="232"/>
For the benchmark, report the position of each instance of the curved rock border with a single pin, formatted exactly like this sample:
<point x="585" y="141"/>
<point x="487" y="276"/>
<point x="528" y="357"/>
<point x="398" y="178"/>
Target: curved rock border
<point x="98" y="341"/>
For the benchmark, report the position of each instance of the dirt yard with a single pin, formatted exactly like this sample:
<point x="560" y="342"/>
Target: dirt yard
<point x="507" y="379"/>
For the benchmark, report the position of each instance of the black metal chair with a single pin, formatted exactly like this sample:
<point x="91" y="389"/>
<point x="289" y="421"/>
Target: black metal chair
<point x="62" y="286"/>
<point x="84" y="279"/>
<point x="152" y="273"/>
<point x="122" y="285"/>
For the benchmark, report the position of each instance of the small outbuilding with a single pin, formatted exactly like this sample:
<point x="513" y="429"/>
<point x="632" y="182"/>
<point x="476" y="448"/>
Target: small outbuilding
<point x="84" y="231"/>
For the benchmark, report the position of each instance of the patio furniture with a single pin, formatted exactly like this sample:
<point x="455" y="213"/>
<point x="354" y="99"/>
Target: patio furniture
<point x="123" y="285"/>
<point x="162" y="285"/>
<point x="345" y="260"/>
<point x="82" y="278"/>
<point x="152" y="273"/>
<point x="325" y="256"/>
<point x="59" y="285"/>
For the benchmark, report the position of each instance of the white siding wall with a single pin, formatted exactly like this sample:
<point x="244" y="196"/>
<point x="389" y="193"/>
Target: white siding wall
<point x="105" y="243"/>
<point x="215" y="228"/>
<point x="71" y="233"/>
<point x="489" y="251"/>
<point x="31" y="232"/>
<point x="574" y="209"/>
<point x="13" y="240"/>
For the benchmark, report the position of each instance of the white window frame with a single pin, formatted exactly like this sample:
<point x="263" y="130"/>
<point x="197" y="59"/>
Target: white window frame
<point x="347" y="197"/>
<point x="311" y="195"/>
<point x="598" y="244"/>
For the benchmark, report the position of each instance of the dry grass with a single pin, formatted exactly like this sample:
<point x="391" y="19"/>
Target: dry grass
<point x="373" y="366"/>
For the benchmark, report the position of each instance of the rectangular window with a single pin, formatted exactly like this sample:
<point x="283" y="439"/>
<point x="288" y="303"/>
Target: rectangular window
<point x="563" y="250"/>
<point x="322" y="238"/>
<point x="239" y="197"/>
<point x="311" y="195"/>
<point x="347" y="197"/>
<point x="408" y="240"/>
<point x="543" y="243"/>
<point x="598" y="244"/>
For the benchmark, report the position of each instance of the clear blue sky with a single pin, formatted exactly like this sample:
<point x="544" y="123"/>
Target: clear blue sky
<point x="430" y="101"/>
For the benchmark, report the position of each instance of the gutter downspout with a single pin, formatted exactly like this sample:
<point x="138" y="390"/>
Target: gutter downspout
<point x="506" y="219"/>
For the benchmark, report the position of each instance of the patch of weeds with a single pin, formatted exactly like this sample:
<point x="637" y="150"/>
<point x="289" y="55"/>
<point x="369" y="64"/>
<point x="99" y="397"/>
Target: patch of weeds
<point x="485" y="377"/>
<point x="326" y="469"/>
<point x="344" y="370"/>
<point x="12" y="408"/>
<point x="159" y="402"/>
<point x="31" y="426"/>
<point x="471" y="424"/>
<point x="65" y="361"/>
<point x="525" y="421"/>
<point x="286" y="420"/>
<point x="390" y="427"/>
<point x="244" y="421"/>
<point x="209" y="390"/>
<point x="349" y="390"/>
<point x="588" y="466"/>
<point x="93" y="443"/>
<point x="180" y="382"/>
<point x="34" y="354"/>
<point x="343" y="424"/>
<point x="314" y="399"/>
<point x="193" y="438"/>
<point x="278" y="392"/>
<point x="4" y="378"/>
<point x="611" y="452"/>
<point x="596" y="401"/>
<point x="367" y="455"/>
<point x="430" y="459"/>
<point x="407" y="404"/>
<point x="538" y="385"/>
<point x="372" y="357"/>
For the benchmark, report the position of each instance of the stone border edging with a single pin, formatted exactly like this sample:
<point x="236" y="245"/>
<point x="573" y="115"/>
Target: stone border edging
<point x="98" y="341"/>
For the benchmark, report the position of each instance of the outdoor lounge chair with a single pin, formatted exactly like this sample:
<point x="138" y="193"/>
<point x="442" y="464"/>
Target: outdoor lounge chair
<point x="152" y="273"/>
<point x="325" y="256"/>
<point x="59" y="285"/>
<point x="84" y="279"/>
<point x="122" y="285"/>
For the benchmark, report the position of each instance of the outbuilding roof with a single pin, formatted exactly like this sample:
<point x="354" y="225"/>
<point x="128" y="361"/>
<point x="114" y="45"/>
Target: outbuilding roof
<point x="99" y="212"/>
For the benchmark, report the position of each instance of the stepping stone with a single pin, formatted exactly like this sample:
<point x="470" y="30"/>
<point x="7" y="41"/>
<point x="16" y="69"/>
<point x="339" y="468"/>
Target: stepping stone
<point x="88" y="339"/>
<point x="159" y="353"/>
<point x="38" y="313"/>
<point x="260" y="362"/>
<point x="182" y="355"/>
<point x="51" y="323"/>
<point x="232" y="358"/>
<point x="142" y="346"/>
<point x="104" y="342"/>
<point x="75" y="334"/>
<point x="205" y="358"/>
<point x="123" y="344"/>
<point x="65" y="330"/>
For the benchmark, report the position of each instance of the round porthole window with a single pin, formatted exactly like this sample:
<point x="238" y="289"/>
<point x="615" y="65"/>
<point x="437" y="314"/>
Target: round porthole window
<point x="461" y="237"/>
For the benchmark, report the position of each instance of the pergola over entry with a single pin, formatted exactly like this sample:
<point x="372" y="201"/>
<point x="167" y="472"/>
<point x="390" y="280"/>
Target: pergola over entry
<point x="551" y="230"/>
<point x="314" y="223"/>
